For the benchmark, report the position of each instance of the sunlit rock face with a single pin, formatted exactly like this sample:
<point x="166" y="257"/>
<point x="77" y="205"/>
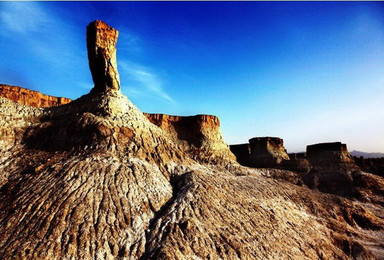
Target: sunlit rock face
<point x="198" y="135"/>
<point x="101" y="44"/>
<point x="95" y="179"/>
<point x="31" y="98"/>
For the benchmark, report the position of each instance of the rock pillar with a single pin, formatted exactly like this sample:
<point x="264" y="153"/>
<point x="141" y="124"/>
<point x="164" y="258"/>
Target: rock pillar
<point x="101" y="45"/>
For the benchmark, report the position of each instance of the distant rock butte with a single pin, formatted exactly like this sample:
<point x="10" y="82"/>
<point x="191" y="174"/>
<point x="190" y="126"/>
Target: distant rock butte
<point x="372" y="165"/>
<point x="267" y="151"/>
<point x="261" y="152"/>
<point x="98" y="179"/>
<point x="324" y="154"/>
<point x="30" y="97"/>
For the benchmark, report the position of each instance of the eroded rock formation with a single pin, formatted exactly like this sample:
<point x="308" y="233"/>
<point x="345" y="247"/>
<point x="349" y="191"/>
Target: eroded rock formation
<point x="372" y="165"/>
<point x="267" y="151"/>
<point x="101" y="44"/>
<point x="242" y="152"/>
<point x="329" y="154"/>
<point x="332" y="168"/>
<point x="31" y="98"/>
<point x="261" y="152"/>
<point x="198" y="135"/>
<point x="95" y="179"/>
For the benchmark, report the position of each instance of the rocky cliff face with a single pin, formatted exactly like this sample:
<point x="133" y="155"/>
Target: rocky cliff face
<point x="372" y="165"/>
<point x="31" y="98"/>
<point x="261" y="152"/>
<point x="332" y="168"/>
<point x="242" y="152"/>
<point x="198" y="135"/>
<point x="95" y="179"/>
<point x="267" y="151"/>
<point x="328" y="154"/>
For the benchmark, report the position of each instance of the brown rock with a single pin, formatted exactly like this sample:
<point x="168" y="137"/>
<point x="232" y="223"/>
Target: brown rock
<point x="101" y="44"/>
<point x="332" y="168"/>
<point x="372" y="165"/>
<point x="267" y="151"/>
<point x="325" y="154"/>
<point x="198" y="135"/>
<point x="31" y="98"/>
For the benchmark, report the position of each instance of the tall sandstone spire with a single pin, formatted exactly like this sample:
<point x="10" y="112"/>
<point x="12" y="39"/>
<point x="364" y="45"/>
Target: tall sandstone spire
<point x="101" y="45"/>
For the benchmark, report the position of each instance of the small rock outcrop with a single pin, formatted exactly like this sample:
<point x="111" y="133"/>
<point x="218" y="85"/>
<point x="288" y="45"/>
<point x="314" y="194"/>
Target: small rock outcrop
<point x="297" y="162"/>
<point x="30" y="97"/>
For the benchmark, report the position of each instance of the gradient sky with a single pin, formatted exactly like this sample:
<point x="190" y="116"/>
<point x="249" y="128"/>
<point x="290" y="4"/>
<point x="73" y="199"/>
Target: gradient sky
<point x="307" y="72"/>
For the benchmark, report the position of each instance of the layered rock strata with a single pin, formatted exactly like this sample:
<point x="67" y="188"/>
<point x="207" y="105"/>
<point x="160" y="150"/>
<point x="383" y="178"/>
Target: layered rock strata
<point x="94" y="179"/>
<point x="261" y="152"/>
<point x="267" y="151"/>
<point x="328" y="154"/>
<point x="332" y="168"/>
<point x="198" y="135"/>
<point x="372" y="165"/>
<point x="101" y="44"/>
<point x="31" y="98"/>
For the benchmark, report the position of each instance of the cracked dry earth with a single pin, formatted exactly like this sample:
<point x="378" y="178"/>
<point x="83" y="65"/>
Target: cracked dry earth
<point x="95" y="179"/>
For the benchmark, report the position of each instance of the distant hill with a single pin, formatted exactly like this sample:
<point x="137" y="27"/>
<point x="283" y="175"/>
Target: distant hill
<point x="367" y="155"/>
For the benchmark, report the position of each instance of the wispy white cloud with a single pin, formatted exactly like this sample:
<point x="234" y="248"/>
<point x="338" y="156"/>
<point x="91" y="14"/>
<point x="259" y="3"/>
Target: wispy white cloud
<point x="129" y="42"/>
<point x="146" y="78"/>
<point x="44" y="35"/>
<point x="21" y="17"/>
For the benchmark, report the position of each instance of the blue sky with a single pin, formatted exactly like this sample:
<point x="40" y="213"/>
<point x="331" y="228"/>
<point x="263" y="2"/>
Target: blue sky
<point x="307" y="72"/>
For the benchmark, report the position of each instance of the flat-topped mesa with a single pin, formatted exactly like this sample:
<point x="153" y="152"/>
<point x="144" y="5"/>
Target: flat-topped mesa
<point x="101" y="45"/>
<point x="325" y="154"/>
<point x="30" y="97"/>
<point x="267" y="151"/>
<point x="198" y="135"/>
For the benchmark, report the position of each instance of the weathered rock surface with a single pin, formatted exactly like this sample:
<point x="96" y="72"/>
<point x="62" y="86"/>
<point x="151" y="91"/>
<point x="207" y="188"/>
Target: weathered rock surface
<point x="101" y="44"/>
<point x="332" y="170"/>
<point x="372" y="165"/>
<point x="95" y="179"/>
<point x="297" y="162"/>
<point x="261" y="152"/>
<point x="329" y="154"/>
<point x="31" y="98"/>
<point x="267" y="151"/>
<point x="198" y="135"/>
